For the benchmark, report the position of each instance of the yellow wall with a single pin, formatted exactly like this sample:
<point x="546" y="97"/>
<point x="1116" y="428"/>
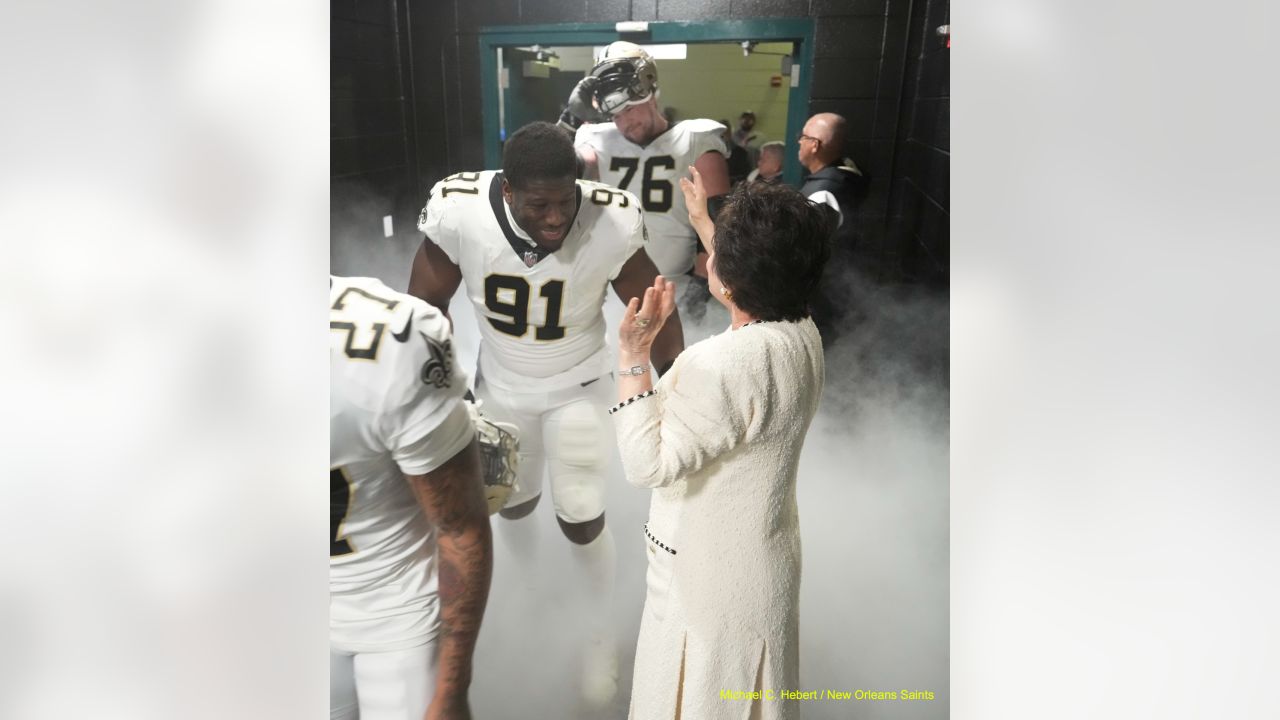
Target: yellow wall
<point x="717" y="82"/>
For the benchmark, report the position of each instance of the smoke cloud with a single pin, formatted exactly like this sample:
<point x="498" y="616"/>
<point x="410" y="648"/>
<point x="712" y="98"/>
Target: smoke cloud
<point x="873" y="498"/>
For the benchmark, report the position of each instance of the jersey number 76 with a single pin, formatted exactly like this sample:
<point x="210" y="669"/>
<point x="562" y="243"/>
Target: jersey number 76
<point x="655" y="193"/>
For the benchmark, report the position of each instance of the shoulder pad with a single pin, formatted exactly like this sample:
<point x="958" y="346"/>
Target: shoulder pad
<point x="610" y="199"/>
<point x="589" y="130"/>
<point x="698" y="125"/>
<point x="463" y="181"/>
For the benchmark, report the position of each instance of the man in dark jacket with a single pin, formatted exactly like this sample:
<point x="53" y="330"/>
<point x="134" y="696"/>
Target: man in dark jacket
<point x="833" y="180"/>
<point x="836" y="182"/>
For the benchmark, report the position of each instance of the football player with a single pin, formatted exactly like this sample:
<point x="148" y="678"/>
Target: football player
<point x="537" y="249"/>
<point x="631" y="145"/>
<point x="410" y="548"/>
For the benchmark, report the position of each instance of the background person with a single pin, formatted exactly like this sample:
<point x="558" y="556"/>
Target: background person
<point x="835" y="182"/>
<point x="745" y="137"/>
<point x="739" y="161"/>
<point x="832" y="180"/>
<point x="769" y="167"/>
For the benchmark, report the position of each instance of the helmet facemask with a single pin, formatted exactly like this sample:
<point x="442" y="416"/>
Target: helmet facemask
<point x="623" y="82"/>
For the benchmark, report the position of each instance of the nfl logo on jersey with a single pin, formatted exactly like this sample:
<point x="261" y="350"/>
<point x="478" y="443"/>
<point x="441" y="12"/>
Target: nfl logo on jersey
<point x="530" y="258"/>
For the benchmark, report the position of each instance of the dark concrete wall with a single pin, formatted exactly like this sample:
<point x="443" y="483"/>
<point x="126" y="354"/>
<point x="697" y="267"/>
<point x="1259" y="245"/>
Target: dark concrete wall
<point x="373" y="170"/>
<point x="921" y="204"/>
<point x="406" y="102"/>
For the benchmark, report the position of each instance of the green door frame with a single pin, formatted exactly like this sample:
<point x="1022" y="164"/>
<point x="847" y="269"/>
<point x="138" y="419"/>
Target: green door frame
<point x="799" y="30"/>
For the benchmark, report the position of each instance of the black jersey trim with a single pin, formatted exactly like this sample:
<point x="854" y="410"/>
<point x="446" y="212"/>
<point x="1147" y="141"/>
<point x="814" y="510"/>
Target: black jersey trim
<point x="519" y="245"/>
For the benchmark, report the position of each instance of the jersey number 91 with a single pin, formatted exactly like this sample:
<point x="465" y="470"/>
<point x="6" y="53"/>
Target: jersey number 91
<point x="508" y="296"/>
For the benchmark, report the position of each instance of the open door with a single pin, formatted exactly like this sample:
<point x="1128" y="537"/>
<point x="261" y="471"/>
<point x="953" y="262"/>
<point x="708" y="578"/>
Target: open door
<point x="714" y="70"/>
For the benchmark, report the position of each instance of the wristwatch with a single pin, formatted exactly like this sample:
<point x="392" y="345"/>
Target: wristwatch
<point x="635" y="370"/>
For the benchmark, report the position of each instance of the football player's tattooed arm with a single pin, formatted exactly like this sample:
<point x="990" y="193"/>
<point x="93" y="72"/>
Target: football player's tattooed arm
<point x="715" y="178"/>
<point x="434" y="277"/>
<point x="636" y="276"/>
<point x="452" y="496"/>
<point x="590" y="162"/>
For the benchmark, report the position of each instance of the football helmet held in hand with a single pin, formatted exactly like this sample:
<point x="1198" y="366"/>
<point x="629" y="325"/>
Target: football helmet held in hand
<point x="626" y="75"/>
<point x="581" y="106"/>
<point x="499" y="446"/>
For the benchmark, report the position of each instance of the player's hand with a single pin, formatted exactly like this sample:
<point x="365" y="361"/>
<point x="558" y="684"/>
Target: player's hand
<point x="449" y="707"/>
<point x="581" y="105"/>
<point x="644" y="317"/>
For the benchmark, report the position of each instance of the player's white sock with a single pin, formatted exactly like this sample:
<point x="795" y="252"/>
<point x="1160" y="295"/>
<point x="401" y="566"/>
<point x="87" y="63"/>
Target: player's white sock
<point x="520" y="540"/>
<point x="596" y="563"/>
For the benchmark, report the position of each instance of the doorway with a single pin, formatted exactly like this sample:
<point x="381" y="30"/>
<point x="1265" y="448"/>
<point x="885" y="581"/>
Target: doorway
<point x="714" y="70"/>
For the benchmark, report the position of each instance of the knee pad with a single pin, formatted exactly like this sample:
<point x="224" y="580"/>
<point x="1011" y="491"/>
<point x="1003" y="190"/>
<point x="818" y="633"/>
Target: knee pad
<point x="581" y="433"/>
<point x="577" y="446"/>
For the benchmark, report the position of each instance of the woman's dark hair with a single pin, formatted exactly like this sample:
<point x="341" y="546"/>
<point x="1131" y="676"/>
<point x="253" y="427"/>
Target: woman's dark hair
<point x="771" y="246"/>
<point x="538" y="151"/>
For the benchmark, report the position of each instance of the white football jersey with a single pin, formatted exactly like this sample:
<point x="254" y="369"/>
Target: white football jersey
<point x="653" y="173"/>
<point x="395" y="409"/>
<point x="541" y="322"/>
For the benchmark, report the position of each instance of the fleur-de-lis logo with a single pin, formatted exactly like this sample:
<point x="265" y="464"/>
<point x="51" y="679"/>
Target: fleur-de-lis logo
<point x="438" y="369"/>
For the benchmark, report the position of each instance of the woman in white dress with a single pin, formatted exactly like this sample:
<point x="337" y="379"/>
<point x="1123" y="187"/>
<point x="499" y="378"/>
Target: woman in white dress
<point x="718" y="439"/>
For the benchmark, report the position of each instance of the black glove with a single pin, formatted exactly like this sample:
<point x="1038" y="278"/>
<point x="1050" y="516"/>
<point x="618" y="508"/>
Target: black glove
<point x="581" y="107"/>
